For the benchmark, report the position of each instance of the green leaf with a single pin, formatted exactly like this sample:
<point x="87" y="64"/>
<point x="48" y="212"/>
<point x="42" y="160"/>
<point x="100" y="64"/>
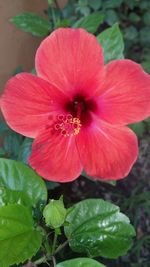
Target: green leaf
<point x="33" y="71"/>
<point x="134" y="18"/>
<point x="2" y="152"/>
<point x="144" y="4"/>
<point x="113" y="183"/>
<point x="94" y="226"/>
<point x="33" y="23"/>
<point x="111" y="17"/>
<point x="80" y="262"/>
<point x="90" y="23"/>
<point x="51" y="185"/>
<point x="63" y="23"/>
<point x="95" y="4"/>
<point x="50" y="2"/>
<point x="146" y="18"/>
<point x="25" y="150"/>
<point x="8" y="196"/>
<point x="112" y="43"/>
<point x="12" y="143"/>
<point x="139" y="128"/>
<point x="131" y="33"/>
<point x="84" y="10"/>
<point x="147" y="121"/>
<point x="83" y="3"/>
<point x="3" y="127"/>
<point x="19" y="69"/>
<point x="18" y="177"/>
<point x="112" y="3"/>
<point x="19" y="239"/>
<point x="145" y="36"/>
<point x="146" y="65"/>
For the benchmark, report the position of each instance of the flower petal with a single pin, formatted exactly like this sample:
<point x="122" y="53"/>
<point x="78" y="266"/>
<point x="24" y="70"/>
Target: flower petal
<point x="107" y="152"/>
<point x="72" y="60"/>
<point x="28" y="101"/>
<point x="127" y="93"/>
<point x="55" y="157"/>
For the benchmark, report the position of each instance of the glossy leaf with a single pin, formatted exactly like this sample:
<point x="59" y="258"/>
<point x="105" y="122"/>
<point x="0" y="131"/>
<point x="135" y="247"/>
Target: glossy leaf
<point x="94" y="226"/>
<point x="18" y="177"/>
<point x="19" y="240"/>
<point x="8" y="196"/>
<point x="112" y="43"/>
<point x="33" y="23"/>
<point x="91" y="22"/>
<point x="80" y="262"/>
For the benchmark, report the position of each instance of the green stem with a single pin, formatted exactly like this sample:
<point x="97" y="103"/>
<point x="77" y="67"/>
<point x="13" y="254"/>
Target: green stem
<point x="54" y="242"/>
<point x="55" y="1"/>
<point x="54" y="18"/>
<point x="41" y="260"/>
<point x="54" y="261"/>
<point x="53" y="253"/>
<point x="61" y="247"/>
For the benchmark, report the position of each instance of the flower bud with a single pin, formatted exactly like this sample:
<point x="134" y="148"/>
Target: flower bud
<point x="55" y="213"/>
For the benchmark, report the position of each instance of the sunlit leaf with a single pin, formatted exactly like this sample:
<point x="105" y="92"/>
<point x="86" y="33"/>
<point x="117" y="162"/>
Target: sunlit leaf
<point x="33" y="23"/>
<point x="90" y="23"/>
<point x="19" y="239"/>
<point x="112" y="43"/>
<point x="18" y="177"/>
<point x="80" y="262"/>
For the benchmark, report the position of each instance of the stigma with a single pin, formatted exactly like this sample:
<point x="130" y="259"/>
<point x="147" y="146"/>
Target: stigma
<point x="67" y="125"/>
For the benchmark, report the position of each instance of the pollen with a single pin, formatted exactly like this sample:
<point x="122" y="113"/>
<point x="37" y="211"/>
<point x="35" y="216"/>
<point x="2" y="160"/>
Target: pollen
<point x="67" y="125"/>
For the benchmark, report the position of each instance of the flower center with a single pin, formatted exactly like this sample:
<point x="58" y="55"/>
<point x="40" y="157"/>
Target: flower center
<point x="77" y="114"/>
<point x="67" y="125"/>
<point x="81" y="108"/>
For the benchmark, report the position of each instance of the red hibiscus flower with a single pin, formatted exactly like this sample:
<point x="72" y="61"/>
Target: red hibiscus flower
<point x="77" y="109"/>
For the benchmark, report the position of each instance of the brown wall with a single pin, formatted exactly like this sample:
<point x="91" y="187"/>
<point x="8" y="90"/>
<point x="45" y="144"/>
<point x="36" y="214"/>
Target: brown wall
<point x="17" y="47"/>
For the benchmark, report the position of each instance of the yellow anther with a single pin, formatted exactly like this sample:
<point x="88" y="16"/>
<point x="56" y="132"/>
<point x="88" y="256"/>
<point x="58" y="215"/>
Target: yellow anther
<point x="68" y="125"/>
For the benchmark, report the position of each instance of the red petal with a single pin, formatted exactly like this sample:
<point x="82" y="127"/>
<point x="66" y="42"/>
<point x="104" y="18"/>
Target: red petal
<point x="55" y="157"/>
<point x="127" y="93"/>
<point x="27" y="103"/>
<point x="72" y="60"/>
<point x="107" y="152"/>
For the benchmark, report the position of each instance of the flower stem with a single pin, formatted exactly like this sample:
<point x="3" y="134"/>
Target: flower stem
<point x="56" y="3"/>
<point x="51" y="255"/>
<point x="54" y="261"/>
<point x="54" y="242"/>
<point x="41" y="260"/>
<point x="61" y="247"/>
